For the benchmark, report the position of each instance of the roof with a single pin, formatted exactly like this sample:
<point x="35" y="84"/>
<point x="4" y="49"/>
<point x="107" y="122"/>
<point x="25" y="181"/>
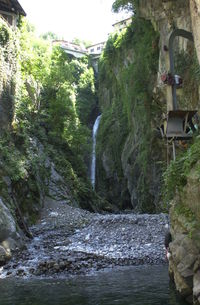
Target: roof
<point x="129" y="18"/>
<point x="69" y="45"/>
<point x="96" y="44"/>
<point x="11" y="6"/>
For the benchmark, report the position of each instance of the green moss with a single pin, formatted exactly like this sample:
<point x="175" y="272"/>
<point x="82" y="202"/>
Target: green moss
<point x="12" y="161"/>
<point x="180" y="209"/>
<point x="127" y="71"/>
<point x="187" y="66"/>
<point x="175" y="177"/>
<point x="188" y="218"/>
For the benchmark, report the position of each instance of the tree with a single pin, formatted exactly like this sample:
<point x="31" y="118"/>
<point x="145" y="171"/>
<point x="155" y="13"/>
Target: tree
<point x="81" y="42"/>
<point x="120" y="5"/>
<point x="49" y="36"/>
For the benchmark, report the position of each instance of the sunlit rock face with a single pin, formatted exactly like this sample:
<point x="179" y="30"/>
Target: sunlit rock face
<point x="195" y="17"/>
<point x="124" y="175"/>
<point x="184" y="261"/>
<point x="166" y="16"/>
<point x="120" y="182"/>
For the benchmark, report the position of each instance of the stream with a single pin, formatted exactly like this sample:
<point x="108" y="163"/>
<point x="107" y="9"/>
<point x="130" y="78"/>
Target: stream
<point x="82" y="258"/>
<point x="69" y="240"/>
<point x="142" y="285"/>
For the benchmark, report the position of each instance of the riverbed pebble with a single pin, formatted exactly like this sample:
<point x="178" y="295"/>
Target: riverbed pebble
<point x="69" y="240"/>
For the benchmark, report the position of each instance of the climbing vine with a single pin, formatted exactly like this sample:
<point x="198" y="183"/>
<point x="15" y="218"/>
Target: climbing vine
<point x="175" y="177"/>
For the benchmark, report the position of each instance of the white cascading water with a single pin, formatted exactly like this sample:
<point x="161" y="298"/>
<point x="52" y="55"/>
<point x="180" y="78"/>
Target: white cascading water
<point x="93" y="164"/>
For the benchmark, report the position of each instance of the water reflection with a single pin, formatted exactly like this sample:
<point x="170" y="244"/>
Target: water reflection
<point x="146" y="285"/>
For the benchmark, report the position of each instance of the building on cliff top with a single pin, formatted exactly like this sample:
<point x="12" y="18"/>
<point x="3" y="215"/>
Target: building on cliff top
<point x="10" y="10"/>
<point x="96" y="49"/>
<point x="71" y="48"/>
<point x="122" y="24"/>
<point x="80" y="51"/>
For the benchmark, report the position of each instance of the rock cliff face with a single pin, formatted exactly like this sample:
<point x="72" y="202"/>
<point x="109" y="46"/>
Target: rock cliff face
<point x="195" y="18"/>
<point x="119" y="165"/>
<point x="185" y="211"/>
<point x="128" y="149"/>
<point x="130" y="153"/>
<point x="8" y="72"/>
<point x="185" y="248"/>
<point x="9" y="237"/>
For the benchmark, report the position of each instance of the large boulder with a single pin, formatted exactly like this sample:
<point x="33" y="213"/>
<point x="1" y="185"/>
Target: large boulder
<point x="10" y="237"/>
<point x="3" y="256"/>
<point x="196" y="287"/>
<point x="7" y="223"/>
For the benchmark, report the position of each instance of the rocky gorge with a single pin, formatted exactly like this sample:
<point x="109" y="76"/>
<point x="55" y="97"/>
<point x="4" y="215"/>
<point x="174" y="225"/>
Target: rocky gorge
<point x="135" y="173"/>
<point x="53" y="221"/>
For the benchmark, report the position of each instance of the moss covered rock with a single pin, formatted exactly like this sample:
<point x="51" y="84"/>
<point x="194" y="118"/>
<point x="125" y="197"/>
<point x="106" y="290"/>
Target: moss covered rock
<point x="128" y="150"/>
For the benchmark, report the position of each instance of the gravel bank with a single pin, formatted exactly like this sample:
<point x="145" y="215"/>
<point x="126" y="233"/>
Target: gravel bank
<point x="73" y="241"/>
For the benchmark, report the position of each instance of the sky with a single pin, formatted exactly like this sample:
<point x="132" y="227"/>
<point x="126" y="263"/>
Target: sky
<point x="89" y="20"/>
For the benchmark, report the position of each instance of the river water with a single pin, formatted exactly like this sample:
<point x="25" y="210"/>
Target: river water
<point x="142" y="285"/>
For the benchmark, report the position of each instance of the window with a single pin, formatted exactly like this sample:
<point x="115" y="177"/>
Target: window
<point x="92" y="50"/>
<point x="98" y="48"/>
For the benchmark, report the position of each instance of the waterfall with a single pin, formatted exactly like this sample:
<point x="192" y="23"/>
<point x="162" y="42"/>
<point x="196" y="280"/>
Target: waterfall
<point x="93" y="164"/>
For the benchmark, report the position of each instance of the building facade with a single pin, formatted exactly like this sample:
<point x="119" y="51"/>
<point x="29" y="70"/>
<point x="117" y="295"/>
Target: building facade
<point x="122" y="24"/>
<point x="10" y="10"/>
<point x="96" y="49"/>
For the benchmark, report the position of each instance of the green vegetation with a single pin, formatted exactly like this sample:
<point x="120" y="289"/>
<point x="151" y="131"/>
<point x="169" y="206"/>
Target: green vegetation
<point x="128" y="5"/>
<point x="187" y="66"/>
<point x="49" y="97"/>
<point x="49" y="36"/>
<point x="8" y="54"/>
<point x="175" y="177"/>
<point x="189" y="220"/>
<point x="81" y="42"/>
<point x="127" y="74"/>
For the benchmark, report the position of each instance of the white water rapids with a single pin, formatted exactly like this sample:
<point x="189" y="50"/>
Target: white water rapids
<point x="93" y="164"/>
